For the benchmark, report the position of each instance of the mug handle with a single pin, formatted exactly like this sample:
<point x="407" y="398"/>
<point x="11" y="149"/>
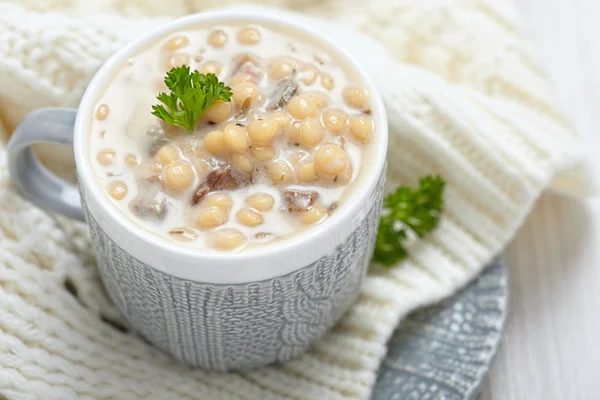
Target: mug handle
<point x="38" y="184"/>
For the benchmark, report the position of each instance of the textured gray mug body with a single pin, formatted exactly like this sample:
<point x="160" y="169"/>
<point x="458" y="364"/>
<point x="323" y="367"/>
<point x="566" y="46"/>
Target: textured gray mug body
<point x="229" y="327"/>
<point x="209" y="325"/>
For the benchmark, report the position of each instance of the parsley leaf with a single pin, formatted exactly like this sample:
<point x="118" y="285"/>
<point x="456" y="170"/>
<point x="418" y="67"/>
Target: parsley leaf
<point x="191" y="94"/>
<point x="417" y="210"/>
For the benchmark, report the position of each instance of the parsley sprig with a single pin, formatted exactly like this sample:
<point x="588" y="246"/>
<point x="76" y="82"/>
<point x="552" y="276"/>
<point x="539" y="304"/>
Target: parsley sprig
<point x="191" y="94"/>
<point x="417" y="210"/>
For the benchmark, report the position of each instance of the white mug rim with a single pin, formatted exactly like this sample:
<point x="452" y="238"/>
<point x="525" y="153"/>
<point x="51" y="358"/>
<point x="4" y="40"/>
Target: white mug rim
<point x="354" y="202"/>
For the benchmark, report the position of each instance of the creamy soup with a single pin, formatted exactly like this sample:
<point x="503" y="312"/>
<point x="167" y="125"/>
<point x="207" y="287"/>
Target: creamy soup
<point x="278" y="158"/>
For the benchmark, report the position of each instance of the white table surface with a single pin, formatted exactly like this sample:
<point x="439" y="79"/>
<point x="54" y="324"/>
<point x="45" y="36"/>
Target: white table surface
<point x="551" y="345"/>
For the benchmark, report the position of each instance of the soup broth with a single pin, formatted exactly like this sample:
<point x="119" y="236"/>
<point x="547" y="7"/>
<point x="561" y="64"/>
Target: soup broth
<point x="278" y="158"/>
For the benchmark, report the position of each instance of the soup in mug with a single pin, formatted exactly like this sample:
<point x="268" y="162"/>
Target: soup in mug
<point x="278" y="158"/>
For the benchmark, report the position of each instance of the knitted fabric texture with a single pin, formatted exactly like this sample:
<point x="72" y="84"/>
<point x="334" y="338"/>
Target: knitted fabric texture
<point x="466" y="100"/>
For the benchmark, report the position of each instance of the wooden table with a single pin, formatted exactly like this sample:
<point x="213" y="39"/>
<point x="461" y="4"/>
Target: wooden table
<point x="550" y="349"/>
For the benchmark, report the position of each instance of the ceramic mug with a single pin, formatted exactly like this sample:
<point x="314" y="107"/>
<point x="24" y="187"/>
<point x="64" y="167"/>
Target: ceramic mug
<point x="219" y="311"/>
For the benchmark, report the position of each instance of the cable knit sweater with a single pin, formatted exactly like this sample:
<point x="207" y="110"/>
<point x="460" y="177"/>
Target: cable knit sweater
<point x="466" y="100"/>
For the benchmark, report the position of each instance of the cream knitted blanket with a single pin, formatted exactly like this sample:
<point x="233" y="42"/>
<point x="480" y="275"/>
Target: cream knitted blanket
<point x="467" y="101"/>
